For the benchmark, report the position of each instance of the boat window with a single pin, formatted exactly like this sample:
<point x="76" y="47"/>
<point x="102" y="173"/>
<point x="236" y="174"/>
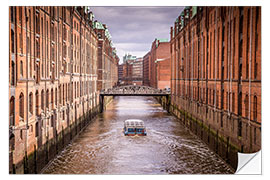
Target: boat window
<point x="131" y="129"/>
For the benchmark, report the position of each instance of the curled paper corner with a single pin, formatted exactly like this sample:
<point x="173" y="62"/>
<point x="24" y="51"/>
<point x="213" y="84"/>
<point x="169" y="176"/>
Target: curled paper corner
<point x="249" y="163"/>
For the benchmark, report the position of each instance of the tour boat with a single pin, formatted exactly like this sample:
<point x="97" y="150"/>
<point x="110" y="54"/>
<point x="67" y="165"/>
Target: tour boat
<point x="134" y="127"/>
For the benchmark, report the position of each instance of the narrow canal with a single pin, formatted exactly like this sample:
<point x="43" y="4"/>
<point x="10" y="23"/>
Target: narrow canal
<point x="168" y="148"/>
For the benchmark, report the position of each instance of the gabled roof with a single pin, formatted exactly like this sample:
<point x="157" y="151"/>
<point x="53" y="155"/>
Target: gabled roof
<point x="98" y="25"/>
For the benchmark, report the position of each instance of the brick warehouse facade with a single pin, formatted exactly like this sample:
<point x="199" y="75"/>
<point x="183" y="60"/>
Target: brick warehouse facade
<point x="107" y="58"/>
<point x="137" y="71"/>
<point x="146" y="69"/>
<point x="159" y="62"/>
<point x="216" y="76"/>
<point x="132" y="70"/>
<point x="120" y="72"/>
<point x="53" y="74"/>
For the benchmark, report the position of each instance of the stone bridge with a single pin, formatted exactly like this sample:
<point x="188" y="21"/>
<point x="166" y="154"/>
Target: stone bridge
<point x="133" y="90"/>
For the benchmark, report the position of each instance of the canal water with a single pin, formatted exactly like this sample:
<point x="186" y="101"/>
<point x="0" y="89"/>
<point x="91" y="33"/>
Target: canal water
<point x="168" y="148"/>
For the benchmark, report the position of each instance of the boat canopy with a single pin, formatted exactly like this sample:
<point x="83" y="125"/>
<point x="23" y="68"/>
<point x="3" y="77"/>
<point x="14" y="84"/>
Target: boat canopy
<point x="134" y="123"/>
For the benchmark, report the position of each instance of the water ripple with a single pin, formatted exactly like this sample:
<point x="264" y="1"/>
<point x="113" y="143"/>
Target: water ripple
<point x="167" y="149"/>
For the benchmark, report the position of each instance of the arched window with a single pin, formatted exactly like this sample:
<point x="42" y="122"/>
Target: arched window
<point x="37" y="48"/>
<point x="56" y="97"/>
<point x="233" y="102"/>
<point x="21" y="68"/>
<point x="52" y="98"/>
<point x="31" y="128"/>
<point x="246" y="106"/>
<point x="12" y="111"/>
<point x="31" y="103"/>
<point x="42" y="99"/>
<point x="12" y="14"/>
<point x="255" y="109"/>
<point x="66" y="92"/>
<point x="47" y="98"/>
<point x="213" y="97"/>
<point x="12" y="73"/>
<point x="75" y="88"/>
<point x="21" y="134"/>
<point x="37" y="129"/>
<point x="12" y="41"/>
<point x="217" y="100"/>
<point x="20" y="15"/>
<point x="21" y="100"/>
<point x="63" y="99"/>
<point x="42" y="25"/>
<point x="60" y="94"/>
<point x="71" y="91"/>
<point x="37" y="24"/>
<point x="37" y="104"/>
<point x="52" y="121"/>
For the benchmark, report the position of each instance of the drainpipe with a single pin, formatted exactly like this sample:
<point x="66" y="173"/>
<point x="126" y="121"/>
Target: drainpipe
<point x="231" y="57"/>
<point x="46" y="74"/>
<point x="215" y="98"/>
<point x="229" y="64"/>
<point x="207" y="53"/>
<point x="201" y="54"/>
<point x="176" y="76"/>
<point x="249" y="82"/>
<point x="26" y="128"/>
<point x="192" y="65"/>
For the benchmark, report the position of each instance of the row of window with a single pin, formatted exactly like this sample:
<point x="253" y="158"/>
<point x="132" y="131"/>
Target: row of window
<point x="37" y="41"/>
<point x="64" y="96"/>
<point x="227" y="103"/>
<point x="230" y="41"/>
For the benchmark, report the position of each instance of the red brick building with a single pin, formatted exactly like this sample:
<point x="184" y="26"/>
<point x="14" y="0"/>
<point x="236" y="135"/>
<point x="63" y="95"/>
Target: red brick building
<point x="137" y="71"/>
<point x="120" y="73"/>
<point x="132" y="70"/>
<point x="163" y="67"/>
<point x="53" y="63"/>
<point x="216" y="74"/>
<point x="159" y="62"/>
<point x="107" y="58"/>
<point x="146" y="69"/>
<point x="127" y="73"/>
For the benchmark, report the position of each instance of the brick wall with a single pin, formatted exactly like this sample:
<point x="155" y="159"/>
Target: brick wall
<point x="214" y="68"/>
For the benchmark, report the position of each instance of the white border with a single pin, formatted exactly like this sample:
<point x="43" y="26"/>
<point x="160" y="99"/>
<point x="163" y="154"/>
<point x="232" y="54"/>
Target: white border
<point x="265" y="69"/>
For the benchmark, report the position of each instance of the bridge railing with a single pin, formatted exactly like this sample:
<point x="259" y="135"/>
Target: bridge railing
<point x="144" y="90"/>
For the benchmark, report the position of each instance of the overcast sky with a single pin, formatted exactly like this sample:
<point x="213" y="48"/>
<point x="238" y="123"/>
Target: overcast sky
<point x="133" y="29"/>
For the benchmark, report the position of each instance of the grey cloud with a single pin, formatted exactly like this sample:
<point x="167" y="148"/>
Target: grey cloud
<point x="136" y="25"/>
